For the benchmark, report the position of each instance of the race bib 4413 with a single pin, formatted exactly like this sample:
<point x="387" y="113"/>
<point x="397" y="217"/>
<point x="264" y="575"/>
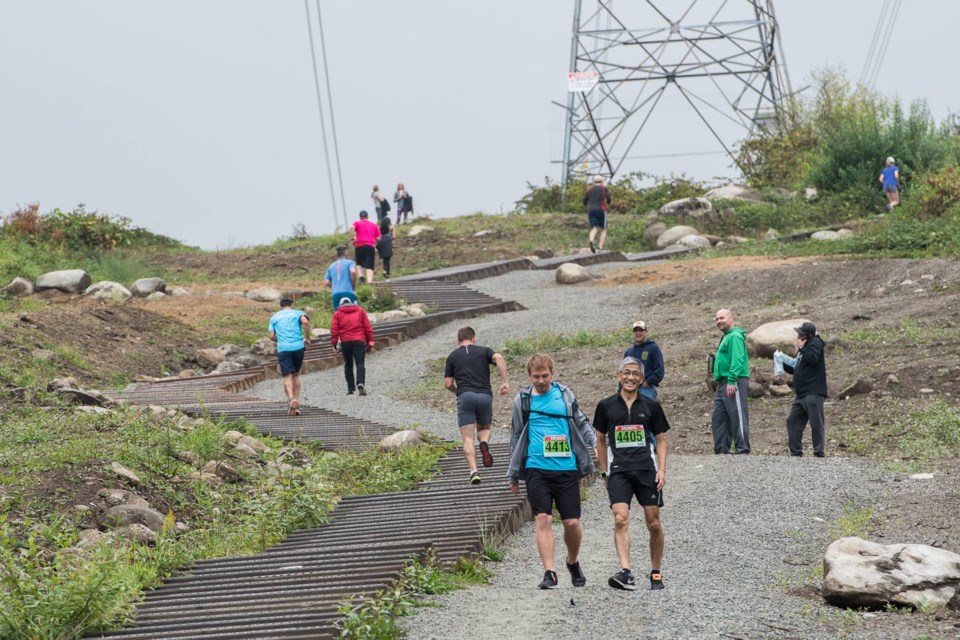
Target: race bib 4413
<point x="628" y="436"/>
<point x="556" y="447"/>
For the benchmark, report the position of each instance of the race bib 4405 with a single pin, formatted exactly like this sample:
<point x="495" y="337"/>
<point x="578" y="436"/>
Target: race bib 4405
<point x="556" y="447"/>
<point x="628" y="436"/>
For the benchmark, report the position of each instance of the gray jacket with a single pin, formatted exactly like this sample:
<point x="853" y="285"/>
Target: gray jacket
<point x="583" y="437"/>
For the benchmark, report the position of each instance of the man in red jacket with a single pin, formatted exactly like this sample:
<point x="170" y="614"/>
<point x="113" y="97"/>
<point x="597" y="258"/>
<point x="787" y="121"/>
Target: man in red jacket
<point x="351" y="329"/>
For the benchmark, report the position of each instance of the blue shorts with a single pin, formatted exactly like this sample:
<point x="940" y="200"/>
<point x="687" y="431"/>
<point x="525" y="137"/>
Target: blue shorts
<point x="290" y="361"/>
<point x="891" y="189"/>
<point x="474" y="408"/>
<point x="598" y="218"/>
<point x="337" y="297"/>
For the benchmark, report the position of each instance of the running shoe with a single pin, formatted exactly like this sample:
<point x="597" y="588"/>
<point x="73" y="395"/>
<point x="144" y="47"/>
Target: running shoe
<point x="623" y="580"/>
<point x="593" y="249"/>
<point x="361" y="391"/>
<point x="576" y="575"/>
<point x="656" y="580"/>
<point x="485" y="454"/>
<point x="350" y="392"/>
<point x="474" y="477"/>
<point x="549" y="580"/>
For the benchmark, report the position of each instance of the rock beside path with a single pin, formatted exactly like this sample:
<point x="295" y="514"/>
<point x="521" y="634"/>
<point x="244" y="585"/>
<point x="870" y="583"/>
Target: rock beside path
<point x="571" y="273"/>
<point x="68" y="281"/>
<point x="860" y="573"/>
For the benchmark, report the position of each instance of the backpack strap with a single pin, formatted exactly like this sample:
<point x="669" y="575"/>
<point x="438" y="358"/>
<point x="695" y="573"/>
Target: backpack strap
<point x="525" y="403"/>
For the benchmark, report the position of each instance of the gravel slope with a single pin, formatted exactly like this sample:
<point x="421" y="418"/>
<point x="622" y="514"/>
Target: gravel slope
<point x="739" y="530"/>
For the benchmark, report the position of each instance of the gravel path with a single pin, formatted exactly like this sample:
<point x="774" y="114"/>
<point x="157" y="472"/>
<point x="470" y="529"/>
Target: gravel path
<point x="739" y="530"/>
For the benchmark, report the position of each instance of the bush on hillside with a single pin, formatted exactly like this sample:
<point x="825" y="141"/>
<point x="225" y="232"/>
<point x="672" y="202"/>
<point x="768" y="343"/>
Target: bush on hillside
<point x="838" y="141"/>
<point x="627" y="194"/>
<point x="76" y="231"/>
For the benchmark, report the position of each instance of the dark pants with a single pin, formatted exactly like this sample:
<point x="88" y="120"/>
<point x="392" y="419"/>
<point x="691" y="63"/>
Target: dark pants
<point x="386" y="264"/>
<point x="730" y="421"/>
<point x="353" y="352"/>
<point x="806" y="409"/>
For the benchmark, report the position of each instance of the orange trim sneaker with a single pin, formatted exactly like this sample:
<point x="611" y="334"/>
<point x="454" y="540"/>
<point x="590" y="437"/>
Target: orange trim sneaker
<point x="656" y="580"/>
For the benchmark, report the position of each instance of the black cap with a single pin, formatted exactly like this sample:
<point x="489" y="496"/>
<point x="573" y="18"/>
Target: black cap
<point x="364" y="214"/>
<point x="806" y="329"/>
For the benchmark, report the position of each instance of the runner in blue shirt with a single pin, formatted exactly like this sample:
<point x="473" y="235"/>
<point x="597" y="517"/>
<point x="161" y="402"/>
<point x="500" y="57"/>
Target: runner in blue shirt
<point x="341" y="277"/>
<point x="890" y="179"/>
<point x="551" y="441"/>
<point x="288" y="328"/>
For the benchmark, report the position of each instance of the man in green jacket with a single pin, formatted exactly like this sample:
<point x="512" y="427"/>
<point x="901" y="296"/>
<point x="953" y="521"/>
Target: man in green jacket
<point x="731" y="370"/>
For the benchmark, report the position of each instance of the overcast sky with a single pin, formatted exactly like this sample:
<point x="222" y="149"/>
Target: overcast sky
<point x="198" y="119"/>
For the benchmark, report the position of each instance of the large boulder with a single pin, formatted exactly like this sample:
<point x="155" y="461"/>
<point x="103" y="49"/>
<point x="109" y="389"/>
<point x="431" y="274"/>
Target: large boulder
<point x="228" y="366"/>
<point x="401" y="440"/>
<point x="68" y="281"/>
<point x="671" y="235"/>
<point x="208" y="358"/>
<point x="417" y="229"/>
<point x="264" y="347"/>
<point x="733" y="191"/>
<point x="692" y="207"/>
<point x="264" y="294"/>
<point x="694" y="241"/>
<point x="571" y="273"/>
<point x="123" y="515"/>
<point x="18" y="287"/>
<point x="107" y="290"/>
<point x="769" y="337"/>
<point x="826" y="234"/>
<point x="860" y="573"/>
<point x="652" y="232"/>
<point x="145" y="286"/>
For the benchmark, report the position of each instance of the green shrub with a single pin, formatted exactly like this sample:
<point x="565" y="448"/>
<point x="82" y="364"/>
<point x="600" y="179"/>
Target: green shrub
<point x="938" y="192"/>
<point x="838" y="140"/>
<point x="626" y="193"/>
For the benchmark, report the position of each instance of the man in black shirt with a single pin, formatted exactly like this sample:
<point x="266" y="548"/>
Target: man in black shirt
<point x="634" y="427"/>
<point x="467" y="373"/>
<point x="596" y="200"/>
<point x="810" y="384"/>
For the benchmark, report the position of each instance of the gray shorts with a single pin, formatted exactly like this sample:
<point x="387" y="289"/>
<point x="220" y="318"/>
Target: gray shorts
<point x="474" y="408"/>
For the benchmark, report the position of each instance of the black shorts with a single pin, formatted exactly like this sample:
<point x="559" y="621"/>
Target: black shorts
<point x="547" y="487"/>
<point x="290" y="361"/>
<point x="597" y="218"/>
<point x="622" y="486"/>
<point x="365" y="255"/>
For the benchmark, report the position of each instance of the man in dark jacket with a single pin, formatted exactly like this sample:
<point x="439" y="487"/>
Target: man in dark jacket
<point x="810" y="385"/>
<point x="648" y="353"/>
<point x="596" y="200"/>
<point x="352" y="330"/>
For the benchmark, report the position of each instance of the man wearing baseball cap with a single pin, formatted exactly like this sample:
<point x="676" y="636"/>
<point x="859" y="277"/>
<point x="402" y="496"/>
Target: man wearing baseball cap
<point x="810" y="384"/>
<point x="648" y="353"/>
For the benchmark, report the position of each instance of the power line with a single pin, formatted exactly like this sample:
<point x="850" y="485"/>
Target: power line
<point x="323" y="122"/>
<point x="868" y="62"/>
<point x="333" y="124"/>
<point x="885" y="43"/>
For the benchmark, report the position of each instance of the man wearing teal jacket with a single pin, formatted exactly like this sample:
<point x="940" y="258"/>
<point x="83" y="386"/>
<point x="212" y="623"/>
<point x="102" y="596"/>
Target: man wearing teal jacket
<point x="731" y="370"/>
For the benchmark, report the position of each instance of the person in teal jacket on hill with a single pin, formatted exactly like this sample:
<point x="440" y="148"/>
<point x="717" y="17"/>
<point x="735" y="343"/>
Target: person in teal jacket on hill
<point x="731" y="370"/>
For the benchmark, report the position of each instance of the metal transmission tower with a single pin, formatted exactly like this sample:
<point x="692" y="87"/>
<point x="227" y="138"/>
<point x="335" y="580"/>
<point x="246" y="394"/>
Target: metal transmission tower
<point x="719" y="61"/>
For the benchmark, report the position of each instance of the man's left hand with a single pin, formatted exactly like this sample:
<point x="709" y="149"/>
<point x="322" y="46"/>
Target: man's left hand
<point x="504" y="388"/>
<point x="731" y="390"/>
<point x="661" y="479"/>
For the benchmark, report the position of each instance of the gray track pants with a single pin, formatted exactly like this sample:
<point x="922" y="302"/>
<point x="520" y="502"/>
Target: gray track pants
<point x="729" y="421"/>
<point x="808" y="408"/>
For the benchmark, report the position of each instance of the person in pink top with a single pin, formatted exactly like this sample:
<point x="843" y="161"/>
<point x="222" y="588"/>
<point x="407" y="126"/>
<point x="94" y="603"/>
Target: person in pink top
<point x="364" y="235"/>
